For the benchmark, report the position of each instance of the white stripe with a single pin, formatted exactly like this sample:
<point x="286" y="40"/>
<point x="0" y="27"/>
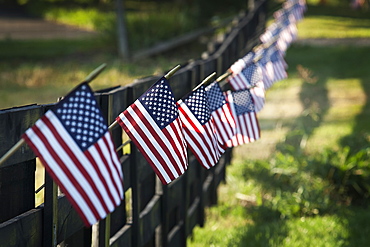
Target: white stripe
<point x="224" y="130"/>
<point x="194" y="136"/>
<point x="116" y="161"/>
<point x="163" y="138"/>
<point x="104" y="172"/>
<point x="179" y="145"/>
<point x="255" y="126"/>
<point x="249" y="127"/>
<point x="75" y="171"/>
<point x="112" y="167"/>
<point x="142" y="142"/>
<point x="204" y="132"/>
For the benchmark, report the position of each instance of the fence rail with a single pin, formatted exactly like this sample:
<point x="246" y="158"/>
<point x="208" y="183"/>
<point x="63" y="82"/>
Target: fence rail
<point x="151" y="214"/>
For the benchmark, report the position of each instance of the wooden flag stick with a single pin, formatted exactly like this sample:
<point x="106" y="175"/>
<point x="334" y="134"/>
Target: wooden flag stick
<point x="12" y="151"/>
<point x="207" y="79"/>
<point x="88" y="79"/>
<point x="172" y="72"/>
<point x="167" y="76"/>
<point x="94" y="73"/>
<point x="222" y="77"/>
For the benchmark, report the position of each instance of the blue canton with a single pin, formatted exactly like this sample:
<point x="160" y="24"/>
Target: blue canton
<point x="275" y="56"/>
<point x="160" y="103"/>
<point x="215" y="97"/>
<point x="198" y="105"/>
<point x="243" y="102"/>
<point x="81" y="116"/>
<point x="251" y="74"/>
<point x="248" y="57"/>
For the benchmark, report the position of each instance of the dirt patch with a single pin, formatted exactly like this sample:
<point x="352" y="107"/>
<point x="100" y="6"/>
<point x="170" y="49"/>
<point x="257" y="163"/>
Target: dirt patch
<point x="21" y="28"/>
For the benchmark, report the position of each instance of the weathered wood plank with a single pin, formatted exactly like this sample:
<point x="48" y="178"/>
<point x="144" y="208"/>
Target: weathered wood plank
<point x="126" y="169"/>
<point x="123" y="237"/>
<point x="176" y="236"/>
<point x="69" y="221"/>
<point x="17" y="189"/>
<point x="13" y="123"/>
<point x="175" y="193"/>
<point x="23" y="230"/>
<point x="140" y="86"/>
<point x="181" y="83"/>
<point x="192" y="218"/>
<point x="150" y="218"/>
<point x="209" y="66"/>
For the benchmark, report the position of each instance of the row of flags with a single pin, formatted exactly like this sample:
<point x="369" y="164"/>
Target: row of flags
<point x="75" y="145"/>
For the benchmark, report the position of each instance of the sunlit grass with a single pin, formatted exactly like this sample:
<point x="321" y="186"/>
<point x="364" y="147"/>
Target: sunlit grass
<point x="334" y="27"/>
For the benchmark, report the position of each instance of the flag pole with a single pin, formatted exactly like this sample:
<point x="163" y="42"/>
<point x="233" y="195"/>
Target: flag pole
<point x="207" y="79"/>
<point x="167" y="76"/>
<point x="222" y="77"/>
<point x="19" y="144"/>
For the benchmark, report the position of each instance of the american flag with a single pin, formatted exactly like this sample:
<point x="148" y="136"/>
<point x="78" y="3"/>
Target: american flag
<point x="221" y="113"/>
<point x="278" y="63"/>
<point x="250" y="77"/>
<point x="246" y="78"/>
<point x="273" y="67"/>
<point x="73" y="142"/>
<point x="153" y="124"/>
<point x="240" y="64"/>
<point x="247" y="127"/>
<point x="199" y="128"/>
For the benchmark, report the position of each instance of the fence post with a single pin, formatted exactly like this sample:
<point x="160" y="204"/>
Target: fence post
<point x="50" y="211"/>
<point x="251" y="5"/>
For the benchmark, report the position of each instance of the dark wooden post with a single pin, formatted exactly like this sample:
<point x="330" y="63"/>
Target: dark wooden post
<point x="50" y="211"/>
<point x="123" y="47"/>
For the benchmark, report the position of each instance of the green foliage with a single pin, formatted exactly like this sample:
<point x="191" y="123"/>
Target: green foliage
<point x="289" y="186"/>
<point x="348" y="173"/>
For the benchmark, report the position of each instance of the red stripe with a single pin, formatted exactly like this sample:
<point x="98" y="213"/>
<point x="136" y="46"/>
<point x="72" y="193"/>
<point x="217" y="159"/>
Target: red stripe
<point x="79" y="167"/>
<point x="106" y="163"/>
<point x="180" y="153"/>
<point x="98" y="171"/>
<point x="199" y="150"/>
<point x="223" y="129"/>
<point x="252" y="135"/>
<point x="115" y="169"/>
<point x="168" y="149"/>
<point x="244" y="129"/>
<point x="112" y="150"/>
<point x="149" y="148"/>
<point x="258" y="126"/>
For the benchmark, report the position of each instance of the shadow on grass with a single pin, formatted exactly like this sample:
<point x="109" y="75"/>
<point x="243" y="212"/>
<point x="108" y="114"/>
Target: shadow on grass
<point x="312" y="185"/>
<point x="268" y="229"/>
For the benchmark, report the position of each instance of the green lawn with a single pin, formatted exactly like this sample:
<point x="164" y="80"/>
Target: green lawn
<point x="306" y="181"/>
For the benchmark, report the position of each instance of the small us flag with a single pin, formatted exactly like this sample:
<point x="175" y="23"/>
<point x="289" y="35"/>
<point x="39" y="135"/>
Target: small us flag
<point x="251" y="77"/>
<point x="247" y="127"/>
<point x="221" y="113"/>
<point x="246" y="78"/>
<point x="199" y="128"/>
<point x="73" y="142"/>
<point x="153" y="124"/>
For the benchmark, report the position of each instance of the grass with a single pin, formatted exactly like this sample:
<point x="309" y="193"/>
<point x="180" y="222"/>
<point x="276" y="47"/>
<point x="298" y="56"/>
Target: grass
<point x="294" y="187"/>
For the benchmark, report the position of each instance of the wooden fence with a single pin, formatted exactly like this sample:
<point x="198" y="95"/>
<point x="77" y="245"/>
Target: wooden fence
<point x="151" y="214"/>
